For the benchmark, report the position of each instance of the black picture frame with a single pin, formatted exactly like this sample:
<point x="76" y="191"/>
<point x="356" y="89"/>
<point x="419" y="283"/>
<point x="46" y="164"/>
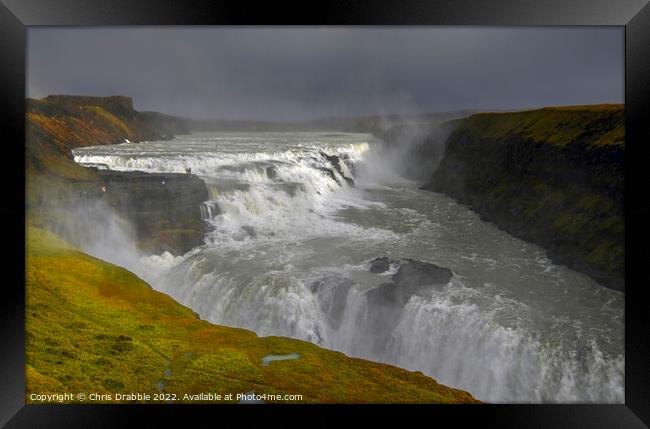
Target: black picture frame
<point x="17" y="15"/>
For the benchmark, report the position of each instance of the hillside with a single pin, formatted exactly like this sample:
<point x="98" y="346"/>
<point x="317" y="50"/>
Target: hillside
<point x="95" y="327"/>
<point x="59" y="123"/>
<point x="56" y="185"/>
<point x="552" y="176"/>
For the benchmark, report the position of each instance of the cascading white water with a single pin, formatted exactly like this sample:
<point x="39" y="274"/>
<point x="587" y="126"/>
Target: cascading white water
<point x="288" y="252"/>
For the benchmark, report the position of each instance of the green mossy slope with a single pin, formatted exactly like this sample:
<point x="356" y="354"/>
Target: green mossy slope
<point x="552" y="176"/>
<point x="94" y="327"/>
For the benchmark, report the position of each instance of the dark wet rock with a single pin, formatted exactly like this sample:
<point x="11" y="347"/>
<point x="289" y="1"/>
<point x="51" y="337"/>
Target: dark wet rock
<point x="380" y="265"/>
<point x="384" y="294"/>
<point x="271" y="172"/>
<point x="412" y="277"/>
<point x="413" y="274"/>
<point x="330" y="173"/>
<point x="164" y="209"/>
<point x="553" y="177"/>
<point x="334" y="159"/>
<point x="332" y="293"/>
<point x="336" y="163"/>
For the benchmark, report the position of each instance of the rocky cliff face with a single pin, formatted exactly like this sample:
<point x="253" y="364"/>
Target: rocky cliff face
<point x="164" y="209"/>
<point x="552" y="176"/>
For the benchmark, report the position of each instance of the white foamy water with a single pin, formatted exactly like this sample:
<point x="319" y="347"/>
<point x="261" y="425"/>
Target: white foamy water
<point x="288" y="250"/>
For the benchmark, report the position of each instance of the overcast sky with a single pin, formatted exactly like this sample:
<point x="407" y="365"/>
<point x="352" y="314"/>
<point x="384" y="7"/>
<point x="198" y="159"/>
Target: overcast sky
<point x="301" y="73"/>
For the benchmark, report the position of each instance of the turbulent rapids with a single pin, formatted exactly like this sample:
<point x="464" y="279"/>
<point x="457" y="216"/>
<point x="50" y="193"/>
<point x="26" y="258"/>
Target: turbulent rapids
<point x="295" y="221"/>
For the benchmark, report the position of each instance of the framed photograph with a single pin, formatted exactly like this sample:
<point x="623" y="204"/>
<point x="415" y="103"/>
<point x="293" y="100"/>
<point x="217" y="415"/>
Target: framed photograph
<point x="423" y="209"/>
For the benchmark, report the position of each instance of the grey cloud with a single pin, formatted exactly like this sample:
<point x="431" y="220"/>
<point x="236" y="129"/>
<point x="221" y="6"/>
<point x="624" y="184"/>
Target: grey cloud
<point x="300" y="73"/>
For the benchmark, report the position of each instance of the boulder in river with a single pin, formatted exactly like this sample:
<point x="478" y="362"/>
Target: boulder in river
<point x="380" y="265"/>
<point x="414" y="274"/>
<point x="411" y="278"/>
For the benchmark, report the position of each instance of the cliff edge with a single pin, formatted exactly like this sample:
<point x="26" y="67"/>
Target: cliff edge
<point x="164" y="209"/>
<point x="552" y="176"/>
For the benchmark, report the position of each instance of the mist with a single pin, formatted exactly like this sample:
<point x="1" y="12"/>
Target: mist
<point x="97" y="230"/>
<point x="408" y="151"/>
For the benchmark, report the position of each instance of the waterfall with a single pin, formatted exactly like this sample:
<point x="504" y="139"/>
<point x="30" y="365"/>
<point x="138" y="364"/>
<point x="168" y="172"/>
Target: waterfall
<point x="294" y="219"/>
